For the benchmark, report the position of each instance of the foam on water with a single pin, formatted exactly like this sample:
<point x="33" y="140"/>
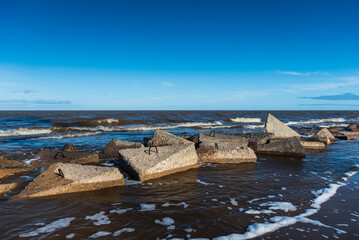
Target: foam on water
<point x="257" y="212"/>
<point x="147" y="207"/>
<point x="69" y="135"/>
<point x="254" y="126"/>
<point x="278" y="222"/>
<point x="167" y="204"/>
<point x="246" y="120"/>
<point x="61" y="223"/>
<point x="117" y="233"/>
<point x="24" y="131"/>
<point x="311" y="121"/>
<point x="99" y="218"/>
<point x="100" y="234"/>
<point x="284" y="206"/>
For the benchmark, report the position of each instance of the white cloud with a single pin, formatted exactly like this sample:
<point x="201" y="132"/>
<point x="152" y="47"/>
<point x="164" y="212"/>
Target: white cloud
<point x="302" y="73"/>
<point x="167" y="84"/>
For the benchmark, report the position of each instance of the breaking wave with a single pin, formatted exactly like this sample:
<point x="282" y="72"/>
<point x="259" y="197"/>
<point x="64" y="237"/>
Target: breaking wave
<point x="311" y="121"/>
<point x="254" y="126"/>
<point x="24" y="131"/>
<point x="70" y="135"/>
<point x="246" y="120"/>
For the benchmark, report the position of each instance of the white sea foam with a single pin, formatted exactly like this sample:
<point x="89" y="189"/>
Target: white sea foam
<point x="100" y="234"/>
<point x="234" y="202"/>
<point x="24" y="131"/>
<point x="167" y="204"/>
<point x="120" y="211"/>
<point x="204" y="183"/>
<point x="117" y="233"/>
<point x="70" y="135"/>
<point x="284" y="206"/>
<point x="137" y="128"/>
<point x="246" y="120"/>
<point x="61" y="223"/>
<point x="254" y="126"/>
<point x="28" y="161"/>
<point x="167" y="221"/>
<point x="278" y="222"/>
<point x="100" y="218"/>
<point x="257" y="212"/>
<point x="147" y="207"/>
<point x="69" y="236"/>
<point x="311" y="121"/>
<point x="132" y="182"/>
<point x="109" y="120"/>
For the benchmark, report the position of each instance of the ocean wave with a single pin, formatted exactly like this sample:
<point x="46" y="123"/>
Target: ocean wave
<point x="143" y="128"/>
<point x="277" y="222"/>
<point x="24" y="131"/>
<point x="108" y="120"/>
<point x="311" y="121"/>
<point x="254" y="126"/>
<point x="246" y="120"/>
<point x="70" y="135"/>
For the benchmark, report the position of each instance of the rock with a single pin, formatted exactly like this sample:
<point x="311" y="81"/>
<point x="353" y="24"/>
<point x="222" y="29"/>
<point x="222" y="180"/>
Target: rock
<point x="115" y="145"/>
<point x="63" y="178"/>
<point x="334" y="130"/>
<point x="212" y="140"/>
<point x="144" y="165"/>
<point x="162" y="138"/>
<point x="226" y="154"/>
<point x="354" y="127"/>
<point x="312" y="145"/>
<point x="45" y="158"/>
<point x="283" y="147"/>
<point x="7" y="171"/>
<point x="279" y="129"/>
<point x="323" y="136"/>
<point x="346" y="137"/>
<point x="349" y="133"/>
<point x="4" y="188"/>
<point x="10" y="163"/>
<point x="70" y="148"/>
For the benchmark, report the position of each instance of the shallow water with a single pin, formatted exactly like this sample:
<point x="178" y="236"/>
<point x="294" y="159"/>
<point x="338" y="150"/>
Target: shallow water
<point x="211" y="201"/>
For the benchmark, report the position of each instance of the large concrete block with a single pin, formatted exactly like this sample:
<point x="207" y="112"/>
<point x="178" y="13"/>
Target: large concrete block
<point x="162" y="138"/>
<point x="115" y="145"/>
<point x="323" y="136"/>
<point x="312" y="145"/>
<point x="211" y="140"/>
<point x="46" y="158"/>
<point x="226" y="154"/>
<point x="4" y="172"/>
<point x="279" y="129"/>
<point x="4" y="162"/>
<point x="282" y="147"/>
<point x="61" y="178"/>
<point x="4" y="188"/>
<point x="143" y="164"/>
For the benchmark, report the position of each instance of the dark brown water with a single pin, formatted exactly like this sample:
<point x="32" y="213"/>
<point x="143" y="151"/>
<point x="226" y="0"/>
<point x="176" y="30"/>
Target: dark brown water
<point x="212" y="201"/>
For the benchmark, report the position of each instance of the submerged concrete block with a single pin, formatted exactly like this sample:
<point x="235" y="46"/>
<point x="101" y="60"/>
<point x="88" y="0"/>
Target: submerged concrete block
<point x="4" y="188"/>
<point x="4" y="162"/>
<point x="61" y="178"/>
<point x="312" y="145"/>
<point x="115" y="145"/>
<point x="279" y="129"/>
<point x="144" y="164"/>
<point x="346" y="137"/>
<point x="323" y="136"/>
<point x="282" y="147"/>
<point x="4" y="172"/>
<point x="46" y="158"/>
<point x="162" y="138"/>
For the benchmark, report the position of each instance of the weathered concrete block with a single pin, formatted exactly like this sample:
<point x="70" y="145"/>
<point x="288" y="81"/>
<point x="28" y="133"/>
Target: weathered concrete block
<point x="354" y="127"/>
<point x="212" y="140"/>
<point x="143" y="164"/>
<point x="323" y="136"/>
<point x="226" y="154"/>
<point x="349" y="133"/>
<point x="312" y="145"/>
<point x="115" y="145"/>
<point x="162" y="138"/>
<point x="279" y="129"/>
<point x="4" y="162"/>
<point x="334" y="130"/>
<point x="8" y="171"/>
<point x="346" y="137"/>
<point x="284" y="147"/>
<point x="46" y="158"/>
<point x="70" y="148"/>
<point x="4" y="188"/>
<point x="61" y="178"/>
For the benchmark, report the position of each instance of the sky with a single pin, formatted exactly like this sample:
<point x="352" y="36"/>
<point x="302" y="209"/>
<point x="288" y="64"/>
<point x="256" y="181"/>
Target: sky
<point x="179" y="55"/>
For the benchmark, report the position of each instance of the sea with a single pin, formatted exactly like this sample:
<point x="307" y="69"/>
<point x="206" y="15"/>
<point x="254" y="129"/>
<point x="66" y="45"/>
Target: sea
<point x="274" y="198"/>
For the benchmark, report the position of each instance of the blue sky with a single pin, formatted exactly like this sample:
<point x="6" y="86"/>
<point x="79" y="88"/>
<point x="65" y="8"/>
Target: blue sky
<point x="179" y="55"/>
